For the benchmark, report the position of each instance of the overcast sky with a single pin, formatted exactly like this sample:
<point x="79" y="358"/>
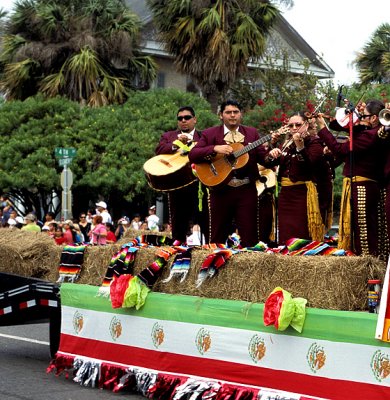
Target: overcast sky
<point x="338" y="29"/>
<point x="335" y="29"/>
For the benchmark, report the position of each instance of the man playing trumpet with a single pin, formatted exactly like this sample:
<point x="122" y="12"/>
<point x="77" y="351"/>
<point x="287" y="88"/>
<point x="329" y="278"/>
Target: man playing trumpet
<point x="363" y="173"/>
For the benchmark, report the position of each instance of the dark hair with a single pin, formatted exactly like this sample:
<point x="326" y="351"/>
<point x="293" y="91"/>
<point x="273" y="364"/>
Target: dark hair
<point x="186" y="108"/>
<point x="299" y="114"/>
<point x="51" y="214"/>
<point x="374" y="107"/>
<point x="229" y="102"/>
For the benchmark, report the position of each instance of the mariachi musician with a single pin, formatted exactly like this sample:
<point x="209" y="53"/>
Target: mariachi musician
<point x="188" y="204"/>
<point x="233" y="204"/>
<point x="363" y="173"/>
<point x="298" y="207"/>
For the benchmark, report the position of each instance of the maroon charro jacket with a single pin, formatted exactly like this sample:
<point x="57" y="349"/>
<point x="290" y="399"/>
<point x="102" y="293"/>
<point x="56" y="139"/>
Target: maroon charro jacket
<point x="366" y="153"/>
<point x="204" y="150"/>
<point x="167" y="139"/>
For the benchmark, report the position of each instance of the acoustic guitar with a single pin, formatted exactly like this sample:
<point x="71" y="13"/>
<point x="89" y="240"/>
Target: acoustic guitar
<point x="267" y="179"/>
<point x="218" y="171"/>
<point x="166" y="172"/>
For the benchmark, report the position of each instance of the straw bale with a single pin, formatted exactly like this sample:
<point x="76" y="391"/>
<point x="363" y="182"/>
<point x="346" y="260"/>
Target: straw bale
<point x="338" y="283"/>
<point x="325" y="281"/>
<point x="30" y="254"/>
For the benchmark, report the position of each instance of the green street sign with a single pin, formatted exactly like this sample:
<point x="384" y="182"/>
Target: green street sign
<point x="64" y="152"/>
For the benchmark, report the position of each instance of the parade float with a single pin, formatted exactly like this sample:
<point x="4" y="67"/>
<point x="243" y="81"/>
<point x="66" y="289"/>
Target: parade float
<point x="183" y="323"/>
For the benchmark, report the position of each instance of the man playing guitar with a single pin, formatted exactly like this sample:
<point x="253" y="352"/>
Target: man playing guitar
<point x="235" y="201"/>
<point x="183" y="202"/>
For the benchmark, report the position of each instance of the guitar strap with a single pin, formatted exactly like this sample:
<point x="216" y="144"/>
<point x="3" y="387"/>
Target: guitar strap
<point x="183" y="147"/>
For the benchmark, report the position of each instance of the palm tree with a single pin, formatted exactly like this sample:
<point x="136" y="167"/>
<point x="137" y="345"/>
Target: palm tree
<point x="373" y="63"/>
<point x="85" y="50"/>
<point x="213" y="41"/>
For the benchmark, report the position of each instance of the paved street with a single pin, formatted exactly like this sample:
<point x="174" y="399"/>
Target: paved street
<point x="24" y="355"/>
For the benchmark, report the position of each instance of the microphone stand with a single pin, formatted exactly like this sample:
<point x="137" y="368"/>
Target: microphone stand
<point x="351" y="109"/>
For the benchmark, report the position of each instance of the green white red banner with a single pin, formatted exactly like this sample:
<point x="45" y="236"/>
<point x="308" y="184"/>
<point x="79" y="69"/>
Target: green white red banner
<point x="335" y="357"/>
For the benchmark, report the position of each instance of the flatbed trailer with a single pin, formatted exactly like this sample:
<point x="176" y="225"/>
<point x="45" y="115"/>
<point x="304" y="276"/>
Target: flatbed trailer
<point x="28" y="301"/>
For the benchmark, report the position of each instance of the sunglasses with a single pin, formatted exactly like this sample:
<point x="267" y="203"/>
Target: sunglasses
<point x="365" y="116"/>
<point x="83" y="216"/>
<point x="185" y="117"/>
<point x="297" y="125"/>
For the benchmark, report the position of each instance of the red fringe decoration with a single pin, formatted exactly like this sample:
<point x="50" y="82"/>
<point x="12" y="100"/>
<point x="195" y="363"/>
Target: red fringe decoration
<point x="110" y="376"/>
<point x="165" y="386"/>
<point x="121" y="378"/>
<point x="61" y="363"/>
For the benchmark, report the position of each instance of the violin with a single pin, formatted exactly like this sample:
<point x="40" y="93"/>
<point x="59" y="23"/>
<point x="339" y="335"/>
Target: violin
<point x="310" y="115"/>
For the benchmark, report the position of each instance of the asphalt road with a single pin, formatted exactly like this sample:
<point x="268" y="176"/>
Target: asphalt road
<point x="24" y="357"/>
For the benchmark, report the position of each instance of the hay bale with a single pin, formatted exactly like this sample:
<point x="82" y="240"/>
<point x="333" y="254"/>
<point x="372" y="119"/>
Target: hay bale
<point x="338" y="283"/>
<point x="30" y="254"/>
<point x="329" y="282"/>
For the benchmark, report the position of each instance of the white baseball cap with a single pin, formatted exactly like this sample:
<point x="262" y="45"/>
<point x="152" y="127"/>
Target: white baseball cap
<point x="101" y="204"/>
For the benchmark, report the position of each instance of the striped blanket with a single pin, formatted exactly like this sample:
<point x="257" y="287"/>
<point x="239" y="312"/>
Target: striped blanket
<point x="71" y="261"/>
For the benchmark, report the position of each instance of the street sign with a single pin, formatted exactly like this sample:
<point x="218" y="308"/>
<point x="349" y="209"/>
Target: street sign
<point x="62" y="152"/>
<point x="64" y="161"/>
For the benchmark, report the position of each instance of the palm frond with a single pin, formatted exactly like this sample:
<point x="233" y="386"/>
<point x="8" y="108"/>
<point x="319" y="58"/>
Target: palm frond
<point x="15" y="77"/>
<point x="53" y="85"/>
<point x="10" y="45"/>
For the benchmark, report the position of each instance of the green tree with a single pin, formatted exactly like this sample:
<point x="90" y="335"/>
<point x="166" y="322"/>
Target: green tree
<point x="373" y="63"/>
<point x="112" y="144"/>
<point x="85" y="50"/>
<point x="213" y="41"/>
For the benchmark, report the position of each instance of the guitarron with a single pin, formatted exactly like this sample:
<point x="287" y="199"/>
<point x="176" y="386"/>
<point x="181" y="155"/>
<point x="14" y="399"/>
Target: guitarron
<point x="166" y="172"/>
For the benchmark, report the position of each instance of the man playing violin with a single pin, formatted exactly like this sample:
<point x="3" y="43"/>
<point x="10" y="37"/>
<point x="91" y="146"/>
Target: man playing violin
<point x="232" y="204"/>
<point x="298" y="208"/>
<point x="183" y="203"/>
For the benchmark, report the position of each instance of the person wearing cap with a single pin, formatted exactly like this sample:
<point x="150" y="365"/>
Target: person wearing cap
<point x="30" y="224"/>
<point x="183" y="203"/>
<point x="153" y="220"/>
<point x="102" y="210"/>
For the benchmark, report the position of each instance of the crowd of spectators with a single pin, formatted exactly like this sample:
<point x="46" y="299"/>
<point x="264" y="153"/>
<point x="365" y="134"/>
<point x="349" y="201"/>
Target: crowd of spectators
<point x="95" y="226"/>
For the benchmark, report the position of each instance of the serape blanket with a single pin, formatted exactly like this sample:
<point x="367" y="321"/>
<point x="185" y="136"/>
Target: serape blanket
<point x="213" y="262"/>
<point x="181" y="264"/>
<point x="72" y="258"/>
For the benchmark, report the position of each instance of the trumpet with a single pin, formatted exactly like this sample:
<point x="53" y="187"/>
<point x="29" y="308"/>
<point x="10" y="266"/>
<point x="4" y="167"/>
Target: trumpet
<point x="384" y="117"/>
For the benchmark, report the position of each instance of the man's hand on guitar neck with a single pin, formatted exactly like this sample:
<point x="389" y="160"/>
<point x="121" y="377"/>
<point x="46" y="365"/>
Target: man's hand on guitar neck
<point x="223" y="149"/>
